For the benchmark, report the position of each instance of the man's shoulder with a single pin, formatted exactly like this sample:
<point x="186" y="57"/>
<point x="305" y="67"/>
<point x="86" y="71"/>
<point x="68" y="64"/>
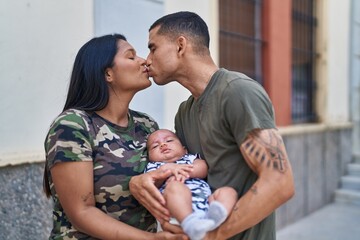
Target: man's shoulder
<point x="187" y="103"/>
<point x="234" y="78"/>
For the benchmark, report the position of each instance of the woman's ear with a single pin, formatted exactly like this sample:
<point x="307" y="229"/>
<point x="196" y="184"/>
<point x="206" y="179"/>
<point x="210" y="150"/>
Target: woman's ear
<point x="108" y="75"/>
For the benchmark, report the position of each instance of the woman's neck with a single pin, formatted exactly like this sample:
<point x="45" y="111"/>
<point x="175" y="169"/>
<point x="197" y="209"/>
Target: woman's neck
<point x="116" y="111"/>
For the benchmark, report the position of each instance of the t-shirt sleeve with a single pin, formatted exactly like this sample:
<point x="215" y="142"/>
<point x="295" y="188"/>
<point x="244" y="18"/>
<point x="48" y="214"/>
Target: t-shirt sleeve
<point x="68" y="140"/>
<point x="246" y="107"/>
<point x="178" y="125"/>
<point x="186" y="125"/>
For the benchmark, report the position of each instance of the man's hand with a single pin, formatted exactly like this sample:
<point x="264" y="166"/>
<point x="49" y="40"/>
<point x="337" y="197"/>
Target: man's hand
<point x="212" y="235"/>
<point x="143" y="188"/>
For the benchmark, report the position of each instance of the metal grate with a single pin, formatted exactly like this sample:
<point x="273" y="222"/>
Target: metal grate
<point x="240" y="36"/>
<point x="303" y="60"/>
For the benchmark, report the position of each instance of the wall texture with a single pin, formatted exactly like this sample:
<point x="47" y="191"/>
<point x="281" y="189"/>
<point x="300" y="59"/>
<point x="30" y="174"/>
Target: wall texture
<point x="25" y="212"/>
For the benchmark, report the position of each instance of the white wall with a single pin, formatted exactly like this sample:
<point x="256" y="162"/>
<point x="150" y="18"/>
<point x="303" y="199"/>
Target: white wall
<point x="208" y="10"/>
<point x="337" y="109"/>
<point x="38" y="43"/>
<point x="355" y="78"/>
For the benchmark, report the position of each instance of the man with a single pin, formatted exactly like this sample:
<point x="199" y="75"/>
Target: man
<point x="229" y="120"/>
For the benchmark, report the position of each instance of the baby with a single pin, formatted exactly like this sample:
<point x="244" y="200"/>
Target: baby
<point x="188" y="196"/>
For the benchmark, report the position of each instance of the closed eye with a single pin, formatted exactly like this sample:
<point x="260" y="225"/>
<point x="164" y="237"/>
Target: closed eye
<point x="151" y="46"/>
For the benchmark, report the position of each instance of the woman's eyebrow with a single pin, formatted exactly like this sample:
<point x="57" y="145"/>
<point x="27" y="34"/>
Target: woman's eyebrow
<point x="132" y="50"/>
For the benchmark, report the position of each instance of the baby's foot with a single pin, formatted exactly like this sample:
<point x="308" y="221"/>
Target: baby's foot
<point x="218" y="213"/>
<point x="196" y="226"/>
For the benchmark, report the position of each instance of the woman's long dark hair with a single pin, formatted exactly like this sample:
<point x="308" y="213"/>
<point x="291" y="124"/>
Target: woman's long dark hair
<point x="88" y="89"/>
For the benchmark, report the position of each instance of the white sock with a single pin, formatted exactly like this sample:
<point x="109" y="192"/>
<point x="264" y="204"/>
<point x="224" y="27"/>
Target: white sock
<point x="196" y="226"/>
<point x="217" y="212"/>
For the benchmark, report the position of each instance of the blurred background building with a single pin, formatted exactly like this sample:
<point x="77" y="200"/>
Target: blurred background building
<point x="304" y="52"/>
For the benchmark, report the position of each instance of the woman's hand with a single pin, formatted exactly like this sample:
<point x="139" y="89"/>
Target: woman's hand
<point x="170" y="236"/>
<point x="173" y="228"/>
<point x="145" y="191"/>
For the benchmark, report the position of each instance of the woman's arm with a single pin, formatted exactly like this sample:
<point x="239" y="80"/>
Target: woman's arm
<point x="144" y="188"/>
<point x="73" y="183"/>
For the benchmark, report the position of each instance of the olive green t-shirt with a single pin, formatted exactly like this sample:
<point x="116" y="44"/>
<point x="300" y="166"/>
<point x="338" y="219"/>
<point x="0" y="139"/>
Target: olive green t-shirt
<point x="217" y="123"/>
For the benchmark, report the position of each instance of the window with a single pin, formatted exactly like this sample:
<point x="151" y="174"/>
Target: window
<point x="240" y="36"/>
<point x="303" y="60"/>
<point x="242" y="48"/>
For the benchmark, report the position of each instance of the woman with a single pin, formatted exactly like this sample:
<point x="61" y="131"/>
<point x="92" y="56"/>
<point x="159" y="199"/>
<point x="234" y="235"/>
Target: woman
<point x="97" y="144"/>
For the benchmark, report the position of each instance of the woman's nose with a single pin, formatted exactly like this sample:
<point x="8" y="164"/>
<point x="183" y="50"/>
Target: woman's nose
<point x="142" y="61"/>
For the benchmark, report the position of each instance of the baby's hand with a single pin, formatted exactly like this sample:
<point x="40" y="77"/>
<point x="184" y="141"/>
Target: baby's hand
<point x="170" y="179"/>
<point x="180" y="172"/>
<point x="178" y="178"/>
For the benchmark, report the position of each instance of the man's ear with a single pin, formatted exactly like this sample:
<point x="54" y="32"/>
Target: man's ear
<point x="181" y="45"/>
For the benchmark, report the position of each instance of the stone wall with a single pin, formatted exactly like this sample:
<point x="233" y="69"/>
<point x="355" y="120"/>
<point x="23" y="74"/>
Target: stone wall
<point x="25" y="212"/>
<point x="318" y="161"/>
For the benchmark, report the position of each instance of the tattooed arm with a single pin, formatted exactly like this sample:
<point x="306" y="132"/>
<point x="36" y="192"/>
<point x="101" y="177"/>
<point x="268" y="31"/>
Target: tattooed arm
<point x="264" y="152"/>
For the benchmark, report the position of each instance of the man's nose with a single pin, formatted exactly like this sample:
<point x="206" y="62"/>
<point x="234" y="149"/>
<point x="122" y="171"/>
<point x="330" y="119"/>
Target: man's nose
<point x="148" y="60"/>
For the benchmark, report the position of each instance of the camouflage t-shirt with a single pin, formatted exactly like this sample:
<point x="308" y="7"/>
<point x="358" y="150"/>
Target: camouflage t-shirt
<point x="117" y="153"/>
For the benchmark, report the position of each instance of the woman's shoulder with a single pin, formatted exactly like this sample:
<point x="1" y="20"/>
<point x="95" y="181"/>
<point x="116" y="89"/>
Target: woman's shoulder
<point x="144" y="118"/>
<point x="71" y="113"/>
<point x="139" y="114"/>
<point x="71" y="117"/>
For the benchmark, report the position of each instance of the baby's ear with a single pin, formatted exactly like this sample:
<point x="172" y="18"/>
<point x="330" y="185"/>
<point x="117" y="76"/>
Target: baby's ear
<point x="185" y="149"/>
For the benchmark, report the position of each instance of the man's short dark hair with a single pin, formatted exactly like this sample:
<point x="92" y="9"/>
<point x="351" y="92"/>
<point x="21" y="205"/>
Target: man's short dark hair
<point x="184" y="23"/>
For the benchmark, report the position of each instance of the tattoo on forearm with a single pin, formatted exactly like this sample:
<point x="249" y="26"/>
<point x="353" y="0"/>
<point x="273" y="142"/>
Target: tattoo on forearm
<point x="267" y="150"/>
<point x="253" y="189"/>
<point x="86" y="197"/>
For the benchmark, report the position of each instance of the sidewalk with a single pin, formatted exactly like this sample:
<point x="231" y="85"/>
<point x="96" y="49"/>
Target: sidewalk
<point x="336" y="221"/>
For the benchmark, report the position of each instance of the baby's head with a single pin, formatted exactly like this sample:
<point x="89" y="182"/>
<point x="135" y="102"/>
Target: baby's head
<point x="164" y="146"/>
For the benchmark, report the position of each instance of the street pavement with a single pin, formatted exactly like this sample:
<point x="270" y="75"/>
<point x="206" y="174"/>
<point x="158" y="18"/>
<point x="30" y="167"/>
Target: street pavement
<point x="336" y="221"/>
